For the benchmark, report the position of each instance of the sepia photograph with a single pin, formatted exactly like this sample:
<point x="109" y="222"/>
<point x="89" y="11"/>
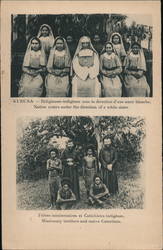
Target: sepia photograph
<point x="81" y="55"/>
<point x="80" y="162"/>
<point x="81" y="125"/>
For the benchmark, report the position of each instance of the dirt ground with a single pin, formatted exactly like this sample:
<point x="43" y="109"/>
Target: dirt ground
<point x="34" y="195"/>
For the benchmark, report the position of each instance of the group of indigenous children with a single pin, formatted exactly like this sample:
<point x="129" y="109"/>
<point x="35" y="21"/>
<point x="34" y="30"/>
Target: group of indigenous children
<point x="53" y="68"/>
<point x="64" y="171"/>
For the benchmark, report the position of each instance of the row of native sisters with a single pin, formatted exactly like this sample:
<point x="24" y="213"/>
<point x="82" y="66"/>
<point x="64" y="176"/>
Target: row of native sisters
<point x="64" y="171"/>
<point x="48" y="69"/>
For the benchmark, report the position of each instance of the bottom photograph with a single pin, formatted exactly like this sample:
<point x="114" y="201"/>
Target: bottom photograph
<point x="80" y="162"/>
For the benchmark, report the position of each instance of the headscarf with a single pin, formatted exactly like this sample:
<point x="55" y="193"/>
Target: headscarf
<point x="104" y="47"/>
<point x="122" y="49"/>
<point x="79" y="47"/>
<point x="116" y="60"/>
<point x="51" y="37"/>
<point x="52" y="53"/>
<point x="141" y="63"/>
<point x="26" y="61"/>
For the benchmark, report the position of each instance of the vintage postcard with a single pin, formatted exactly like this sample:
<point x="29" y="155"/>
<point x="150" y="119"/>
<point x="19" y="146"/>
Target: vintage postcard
<point x="81" y="125"/>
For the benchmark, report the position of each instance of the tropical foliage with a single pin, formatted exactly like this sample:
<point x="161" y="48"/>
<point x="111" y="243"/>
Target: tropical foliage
<point x="77" y="25"/>
<point x="39" y="136"/>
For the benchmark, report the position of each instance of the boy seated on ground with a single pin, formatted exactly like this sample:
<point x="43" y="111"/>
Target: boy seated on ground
<point x="98" y="191"/>
<point x="65" y="198"/>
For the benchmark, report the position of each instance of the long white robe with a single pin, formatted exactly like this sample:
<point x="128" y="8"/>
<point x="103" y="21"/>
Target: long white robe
<point x="31" y="83"/>
<point x="111" y="86"/>
<point x="85" y="82"/>
<point x="136" y="87"/>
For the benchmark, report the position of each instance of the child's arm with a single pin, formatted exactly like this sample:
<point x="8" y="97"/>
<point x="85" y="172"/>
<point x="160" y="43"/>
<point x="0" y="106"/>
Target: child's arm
<point x="59" y="167"/>
<point x="73" y="197"/>
<point x="91" y="192"/>
<point x="59" y="199"/>
<point x="49" y="167"/>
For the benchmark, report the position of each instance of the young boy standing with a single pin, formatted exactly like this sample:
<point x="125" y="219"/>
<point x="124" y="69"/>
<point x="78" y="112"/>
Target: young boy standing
<point x="89" y="168"/>
<point x="54" y="167"/>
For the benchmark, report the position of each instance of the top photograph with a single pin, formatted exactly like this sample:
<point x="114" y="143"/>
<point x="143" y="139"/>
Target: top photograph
<point x="81" y="55"/>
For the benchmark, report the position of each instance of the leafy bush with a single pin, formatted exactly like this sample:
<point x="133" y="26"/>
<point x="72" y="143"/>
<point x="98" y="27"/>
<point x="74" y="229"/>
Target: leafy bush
<point x="34" y="143"/>
<point x="127" y="134"/>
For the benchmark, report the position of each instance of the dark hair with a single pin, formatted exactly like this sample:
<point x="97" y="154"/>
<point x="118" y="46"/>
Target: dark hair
<point x="54" y="150"/>
<point x="38" y="40"/>
<point x="118" y="37"/>
<point x="137" y="44"/>
<point x="90" y="147"/>
<point x="59" y="38"/>
<point x="97" y="176"/>
<point x="45" y="26"/>
<point x="67" y="181"/>
<point x="110" y="44"/>
<point x="107" y="137"/>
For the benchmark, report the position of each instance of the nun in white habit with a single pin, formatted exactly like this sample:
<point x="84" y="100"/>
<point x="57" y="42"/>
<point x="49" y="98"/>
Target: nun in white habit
<point x="85" y="68"/>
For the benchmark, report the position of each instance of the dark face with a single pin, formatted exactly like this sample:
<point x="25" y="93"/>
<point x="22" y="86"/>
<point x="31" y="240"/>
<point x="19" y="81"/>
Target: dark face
<point x="135" y="49"/>
<point x="96" y="38"/>
<point x="59" y="45"/>
<point x="116" y="39"/>
<point x="89" y="152"/>
<point x="35" y="45"/>
<point x="109" y="49"/>
<point x="65" y="187"/>
<point x="85" y="45"/>
<point x="53" y="154"/>
<point x="107" y="142"/>
<point x="97" y="181"/>
<point x="45" y="31"/>
<point x="69" y="39"/>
